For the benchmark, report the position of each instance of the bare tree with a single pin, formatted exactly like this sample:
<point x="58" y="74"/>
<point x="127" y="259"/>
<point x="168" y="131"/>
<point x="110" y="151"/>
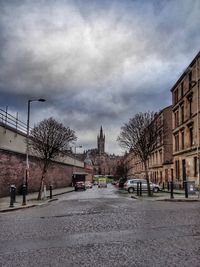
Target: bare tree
<point x="122" y="168"/>
<point x="140" y="135"/>
<point x="48" y="140"/>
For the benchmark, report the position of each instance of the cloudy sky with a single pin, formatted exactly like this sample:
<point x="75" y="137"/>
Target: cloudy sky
<point x="96" y="62"/>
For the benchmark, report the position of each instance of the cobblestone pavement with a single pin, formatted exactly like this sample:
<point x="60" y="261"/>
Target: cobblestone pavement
<point x="100" y="227"/>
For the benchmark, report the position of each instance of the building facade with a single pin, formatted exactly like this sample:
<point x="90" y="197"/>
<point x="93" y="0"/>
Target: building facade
<point x="160" y="163"/>
<point x="185" y="106"/>
<point x="161" y="160"/>
<point x="134" y="166"/>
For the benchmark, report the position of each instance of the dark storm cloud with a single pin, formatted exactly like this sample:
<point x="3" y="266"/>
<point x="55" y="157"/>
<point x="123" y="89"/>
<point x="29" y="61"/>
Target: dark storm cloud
<point x="96" y="62"/>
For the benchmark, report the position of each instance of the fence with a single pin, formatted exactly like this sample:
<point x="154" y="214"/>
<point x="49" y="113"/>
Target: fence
<point x="8" y="120"/>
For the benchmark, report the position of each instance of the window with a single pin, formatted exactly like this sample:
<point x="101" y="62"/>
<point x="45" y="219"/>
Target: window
<point x="161" y="160"/>
<point x="160" y="137"/>
<point x="190" y="80"/>
<point x="195" y="166"/>
<point x="176" y="142"/>
<point x="182" y="140"/>
<point x="161" y="178"/>
<point x="182" y="114"/>
<point x="175" y="96"/>
<point x="182" y="93"/>
<point x="191" y="136"/>
<point x="190" y="107"/>
<point x="176" y="118"/>
<point x="177" y="170"/>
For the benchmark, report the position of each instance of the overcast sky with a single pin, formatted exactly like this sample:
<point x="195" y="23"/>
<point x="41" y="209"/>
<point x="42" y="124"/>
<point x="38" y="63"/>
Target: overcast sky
<point x="95" y="62"/>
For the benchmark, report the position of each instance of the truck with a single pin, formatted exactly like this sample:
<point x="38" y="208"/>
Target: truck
<point x="78" y="181"/>
<point x="102" y="182"/>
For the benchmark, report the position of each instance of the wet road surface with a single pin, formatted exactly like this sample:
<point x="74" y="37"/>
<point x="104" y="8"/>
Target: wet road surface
<point x="100" y="227"/>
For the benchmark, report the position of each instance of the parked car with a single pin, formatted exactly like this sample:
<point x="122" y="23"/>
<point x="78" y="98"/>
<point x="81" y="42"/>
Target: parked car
<point x="95" y="183"/>
<point x="79" y="186"/>
<point x="88" y="184"/>
<point x="131" y="185"/>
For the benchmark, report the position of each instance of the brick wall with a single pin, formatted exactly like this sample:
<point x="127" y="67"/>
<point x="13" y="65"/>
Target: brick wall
<point x="12" y="171"/>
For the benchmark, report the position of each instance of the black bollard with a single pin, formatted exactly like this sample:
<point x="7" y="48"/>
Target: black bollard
<point x="50" y="191"/>
<point x="186" y="189"/>
<point x="137" y="188"/>
<point x="24" y="195"/>
<point x="14" y="193"/>
<point x="12" y="197"/>
<point x="163" y="186"/>
<point x="171" y="192"/>
<point x="140" y="188"/>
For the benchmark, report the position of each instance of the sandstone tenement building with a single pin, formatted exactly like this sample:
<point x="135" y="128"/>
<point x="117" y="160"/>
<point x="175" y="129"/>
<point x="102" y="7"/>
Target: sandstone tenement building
<point x="176" y="157"/>
<point x="160" y="162"/>
<point x="185" y="123"/>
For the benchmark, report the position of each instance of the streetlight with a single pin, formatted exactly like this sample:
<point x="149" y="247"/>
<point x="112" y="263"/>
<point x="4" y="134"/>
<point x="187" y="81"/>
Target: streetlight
<point x="27" y="137"/>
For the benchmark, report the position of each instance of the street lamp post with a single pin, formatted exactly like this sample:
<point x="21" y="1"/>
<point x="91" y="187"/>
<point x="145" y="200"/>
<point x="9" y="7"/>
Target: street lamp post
<point x="27" y="138"/>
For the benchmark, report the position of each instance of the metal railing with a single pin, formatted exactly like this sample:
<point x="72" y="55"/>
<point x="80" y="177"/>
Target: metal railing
<point x="7" y="120"/>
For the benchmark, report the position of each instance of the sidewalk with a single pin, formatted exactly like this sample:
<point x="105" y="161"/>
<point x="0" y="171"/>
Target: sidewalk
<point x="179" y="196"/>
<point x="31" y="199"/>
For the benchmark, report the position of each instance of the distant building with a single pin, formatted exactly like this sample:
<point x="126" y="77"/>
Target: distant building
<point x="103" y="163"/>
<point x="88" y="166"/>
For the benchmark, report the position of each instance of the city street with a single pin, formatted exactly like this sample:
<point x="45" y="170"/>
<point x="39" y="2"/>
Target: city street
<point x="101" y="227"/>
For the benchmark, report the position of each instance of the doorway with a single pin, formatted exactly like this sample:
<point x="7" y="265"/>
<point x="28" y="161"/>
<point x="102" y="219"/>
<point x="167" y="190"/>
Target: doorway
<point x="184" y="170"/>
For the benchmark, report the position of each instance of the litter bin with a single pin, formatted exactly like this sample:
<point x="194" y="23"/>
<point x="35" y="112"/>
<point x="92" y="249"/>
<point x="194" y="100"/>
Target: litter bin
<point x="191" y="187"/>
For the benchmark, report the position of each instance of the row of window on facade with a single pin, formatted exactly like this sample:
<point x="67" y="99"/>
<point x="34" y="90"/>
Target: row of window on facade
<point x="179" y="114"/>
<point x="156" y="158"/>
<point x="179" y="92"/>
<point x="178" y="168"/>
<point x="179" y="139"/>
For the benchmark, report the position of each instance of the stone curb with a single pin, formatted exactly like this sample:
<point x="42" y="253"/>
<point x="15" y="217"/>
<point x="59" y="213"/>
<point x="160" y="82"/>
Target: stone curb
<point x="62" y="193"/>
<point x="35" y="205"/>
<point x="18" y="208"/>
<point x="167" y="199"/>
<point x="179" y="200"/>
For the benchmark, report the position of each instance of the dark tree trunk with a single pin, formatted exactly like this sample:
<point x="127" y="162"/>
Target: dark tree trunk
<point x="42" y="181"/>
<point x="41" y="188"/>
<point x="147" y="178"/>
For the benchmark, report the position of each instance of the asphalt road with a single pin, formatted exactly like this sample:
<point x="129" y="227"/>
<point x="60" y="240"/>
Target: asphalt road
<point x="100" y="227"/>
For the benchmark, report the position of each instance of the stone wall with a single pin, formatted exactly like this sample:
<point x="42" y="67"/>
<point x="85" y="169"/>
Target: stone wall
<point x="12" y="171"/>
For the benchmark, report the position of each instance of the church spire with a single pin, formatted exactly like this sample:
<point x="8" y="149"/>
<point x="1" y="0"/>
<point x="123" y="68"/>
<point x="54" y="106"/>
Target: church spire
<point x="101" y="132"/>
<point x="101" y="142"/>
